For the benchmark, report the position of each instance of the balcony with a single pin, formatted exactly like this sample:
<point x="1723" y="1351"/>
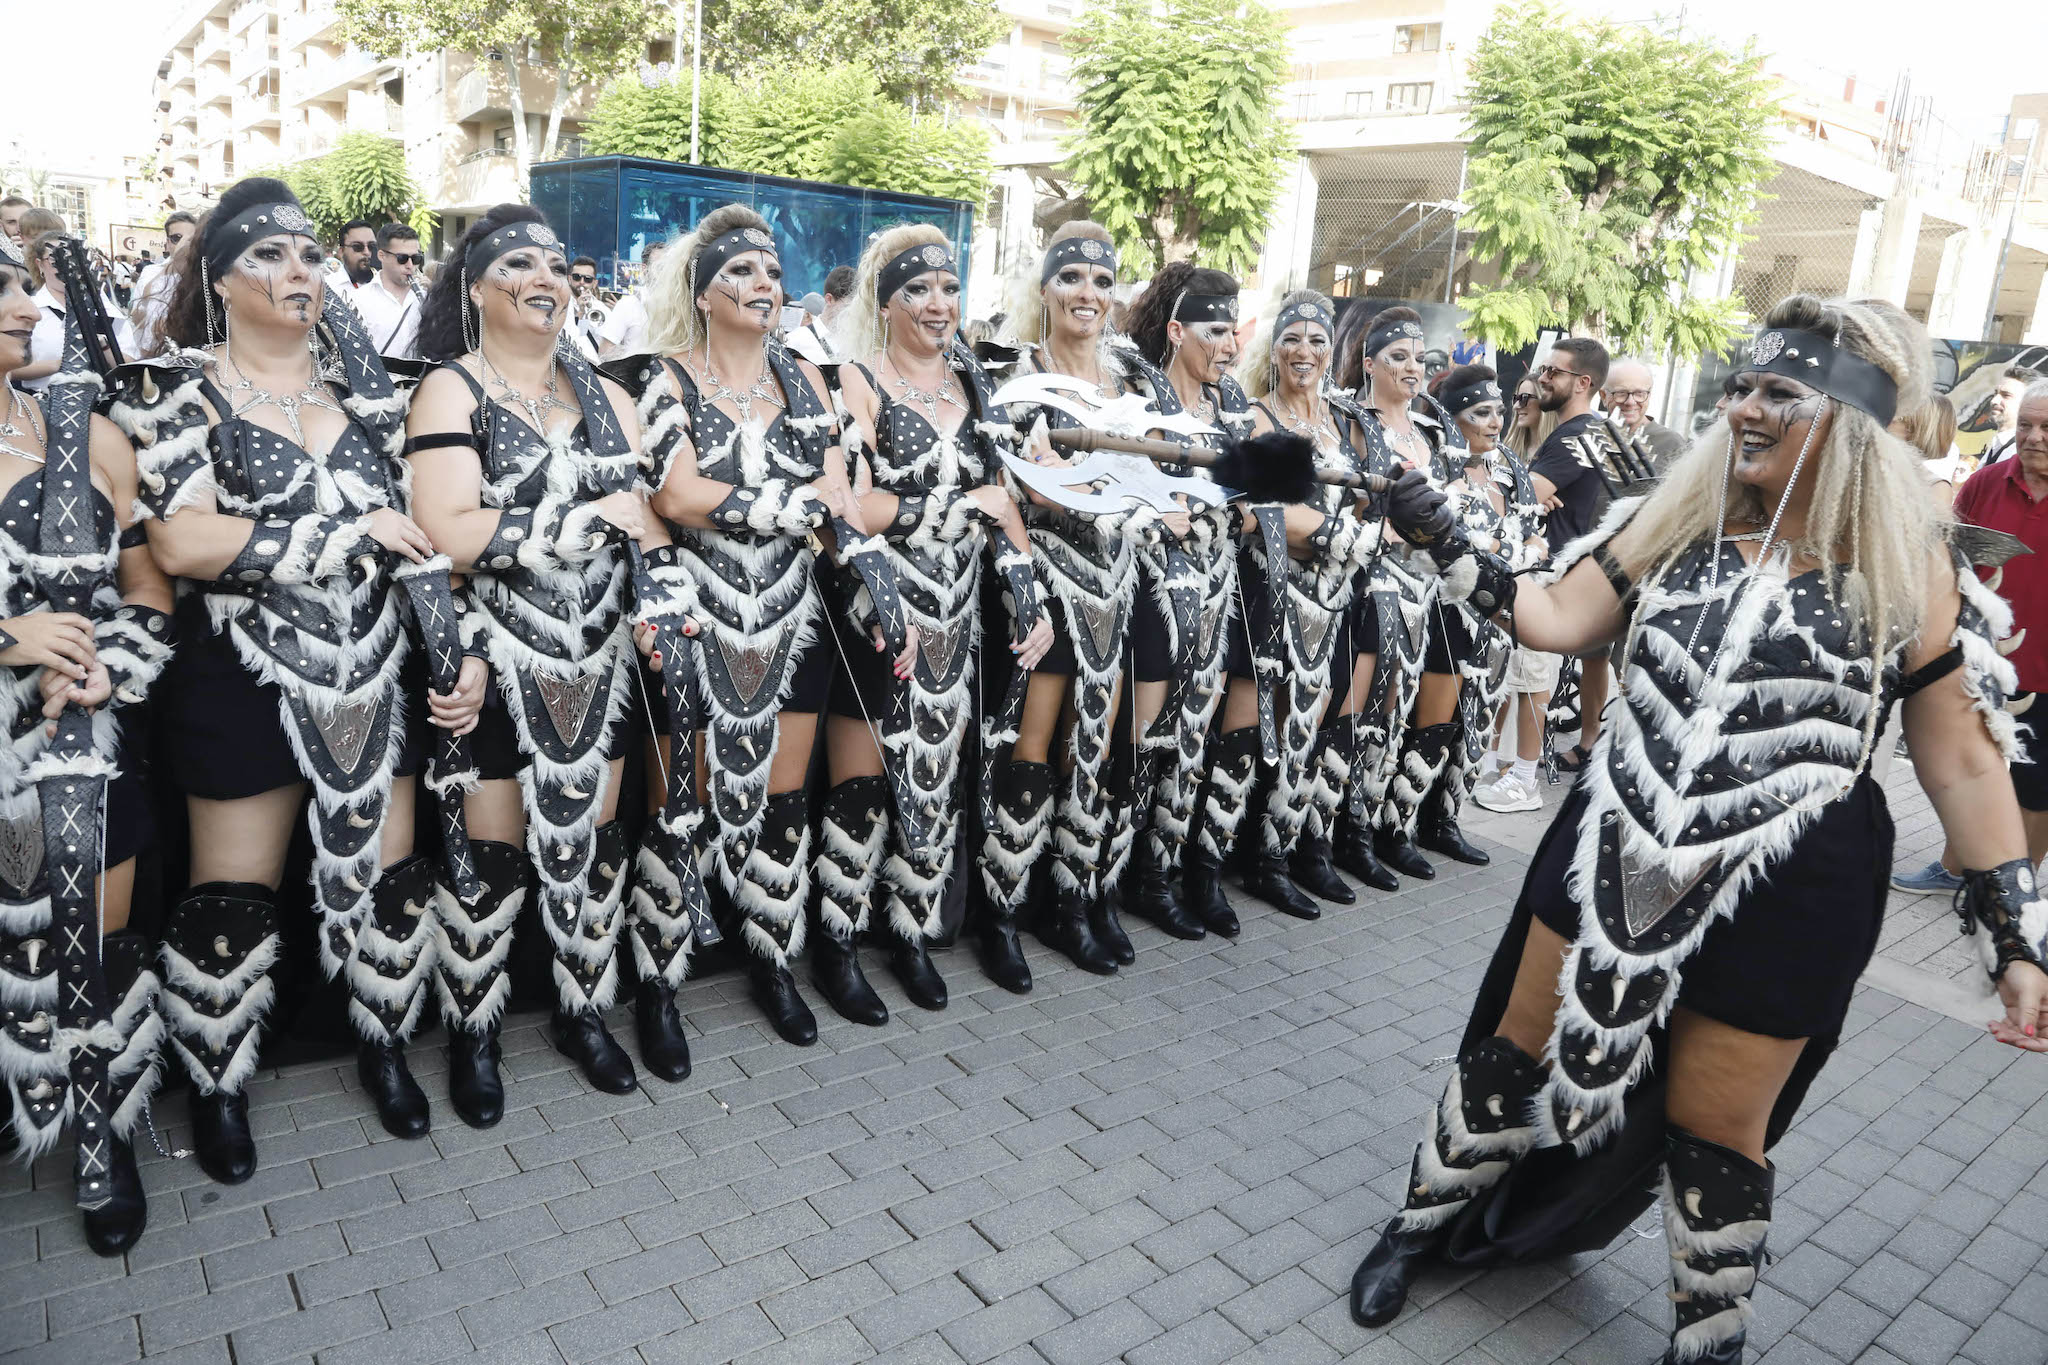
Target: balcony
<point x="325" y="78"/>
<point x="1058" y="15"/>
<point x="1038" y="77"/>
<point x="250" y="58"/>
<point x="484" y="92"/>
<point x="307" y="23"/>
<point x="213" y="41"/>
<point x="483" y="178"/>
<point x="214" y="86"/>
<point x="255" y="111"/>
<point x="181" y="72"/>
<point x="246" y="13"/>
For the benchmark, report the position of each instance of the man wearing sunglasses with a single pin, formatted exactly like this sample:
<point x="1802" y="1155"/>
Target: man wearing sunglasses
<point x="390" y="301"/>
<point x="1566" y="475"/>
<point x="588" y="314"/>
<point x="1627" y="398"/>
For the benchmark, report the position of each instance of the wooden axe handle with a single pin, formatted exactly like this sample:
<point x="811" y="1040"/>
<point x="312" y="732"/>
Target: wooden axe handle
<point x="1200" y="456"/>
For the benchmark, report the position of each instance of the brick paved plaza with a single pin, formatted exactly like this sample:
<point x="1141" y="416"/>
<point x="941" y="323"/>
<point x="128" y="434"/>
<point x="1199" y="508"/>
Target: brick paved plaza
<point x="1178" y="1165"/>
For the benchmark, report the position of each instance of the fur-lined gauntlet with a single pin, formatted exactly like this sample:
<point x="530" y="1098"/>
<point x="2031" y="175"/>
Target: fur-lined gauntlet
<point x="308" y="549"/>
<point x="2003" y="914"/>
<point x="548" y="537"/>
<point x="134" y="643"/>
<point x="777" y="507"/>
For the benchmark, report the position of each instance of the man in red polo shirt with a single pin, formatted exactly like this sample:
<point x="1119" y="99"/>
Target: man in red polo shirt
<point x="2012" y="496"/>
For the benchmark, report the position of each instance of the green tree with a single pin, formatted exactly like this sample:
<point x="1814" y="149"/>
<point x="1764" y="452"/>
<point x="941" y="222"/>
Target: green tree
<point x="584" y="41"/>
<point x="364" y="176"/>
<point x="835" y="124"/>
<point x="1180" y="142"/>
<point x="1609" y="165"/>
<point x="916" y="47"/>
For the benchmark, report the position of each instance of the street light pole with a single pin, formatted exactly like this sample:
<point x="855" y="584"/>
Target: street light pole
<point x="696" y="72"/>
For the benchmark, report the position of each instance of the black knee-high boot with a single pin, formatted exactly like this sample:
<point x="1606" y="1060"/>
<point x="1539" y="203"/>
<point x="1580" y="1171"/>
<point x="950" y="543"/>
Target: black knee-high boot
<point x="770" y="897"/>
<point x="587" y="970"/>
<point x="1219" y="813"/>
<point x="219" y="944"/>
<point x="850" y="838"/>
<point x="1363" y="746"/>
<point x="1475" y="1132"/>
<point x="132" y="1071"/>
<point x="658" y="926"/>
<point x="1009" y="852"/>
<point x="1312" y="859"/>
<point x="387" y="975"/>
<point x="472" y="946"/>
<point x="1717" y="1216"/>
<point x="1424" y="751"/>
<point x="1436" y="827"/>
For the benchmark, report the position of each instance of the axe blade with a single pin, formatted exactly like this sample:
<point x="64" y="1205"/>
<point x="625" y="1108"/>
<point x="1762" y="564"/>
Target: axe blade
<point x="1126" y="414"/>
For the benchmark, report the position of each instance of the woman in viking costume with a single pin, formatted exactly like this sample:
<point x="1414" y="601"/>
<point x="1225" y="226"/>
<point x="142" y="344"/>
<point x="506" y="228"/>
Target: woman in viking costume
<point x="1185" y="326"/>
<point x="743" y="455"/>
<point x="1297" y="798"/>
<point x="87" y="627"/>
<point x="267" y="445"/>
<point x="1055" y="788"/>
<point x="525" y="467"/>
<point x="1692" y="927"/>
<point x="1495" y="503"/>
<point x="917" y="412"/>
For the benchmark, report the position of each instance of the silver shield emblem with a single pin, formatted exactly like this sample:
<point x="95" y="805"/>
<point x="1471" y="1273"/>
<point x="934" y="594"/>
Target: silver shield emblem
<point x="1767" y="348"/>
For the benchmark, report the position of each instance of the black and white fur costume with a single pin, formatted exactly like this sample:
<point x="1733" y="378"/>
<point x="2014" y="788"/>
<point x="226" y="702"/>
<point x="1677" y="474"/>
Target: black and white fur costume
<point x="759" y="611"/>
<point x="37" y="1050"/>
<point x="547" y="604"/>
<point x="1089" y="566"/>
<point x="309" y="605"/>
<point x="935" y="542"/>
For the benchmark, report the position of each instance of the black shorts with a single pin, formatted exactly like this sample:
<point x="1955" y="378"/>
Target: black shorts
<point x="1786" y="962"/>
<point x="494" y="744"/>
<point x="1151" y="645"/>
<point x="223" y="733"/>
<point x="1450" y="640"/>
<point x="808" y="691"/>
<point x="2030" y="774"/>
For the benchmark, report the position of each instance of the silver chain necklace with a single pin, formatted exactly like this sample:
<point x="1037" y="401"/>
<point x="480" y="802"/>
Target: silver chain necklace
<point x="311" y="394"/>
<point x="536" y="409"/>
<point x="1315" y="426"/>
<point x="716" y="388"/>
<point x="947" y="391"/>
<point x="10" y="433"/>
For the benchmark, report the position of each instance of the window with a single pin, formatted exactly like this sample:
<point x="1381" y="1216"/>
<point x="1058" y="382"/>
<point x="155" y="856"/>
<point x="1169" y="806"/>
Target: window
<point x="1357" y="102"/>
<point x="1418" y="38"/>
<point x="1411" y="97"/>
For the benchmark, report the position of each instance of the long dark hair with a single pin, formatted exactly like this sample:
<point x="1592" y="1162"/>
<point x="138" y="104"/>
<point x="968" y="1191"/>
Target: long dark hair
<point x="1149" y="313"/>
<point x="441" y="335"/>
<point x="1352" y="331"/>
<point x="185" y="317"/>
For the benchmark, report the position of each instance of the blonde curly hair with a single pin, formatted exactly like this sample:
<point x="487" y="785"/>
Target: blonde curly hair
<point x="673" y="322"/>
<point x="1027" y="294"/>
<point x="1255" y="366"/>
<point x="857" y="331"/>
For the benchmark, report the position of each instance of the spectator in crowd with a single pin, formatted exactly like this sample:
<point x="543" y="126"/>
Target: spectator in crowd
<point x="1627" y="397"/>
<point x="809" y="339"/>
<point x="2004" y="407"/>
<point x="589" y="308"/>
<point x="1931" y="430"/>
<point x="1565" y="472"/>
<point x="356" y="258"/>
<point x="153" y="289"/>
<point x="46" y="347"/>
<point x="1528" y="423"/>
<point x="2012" y="496"/>
<point x="36" y="221"/>
<point x="11" y="209"/>
<point x="389" y="301"/>
<point x="625" y="330"/>
<point x="838" y="289"/>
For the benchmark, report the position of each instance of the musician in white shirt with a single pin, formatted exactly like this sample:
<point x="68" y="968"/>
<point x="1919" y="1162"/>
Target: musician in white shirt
<point x="389" y="301"/>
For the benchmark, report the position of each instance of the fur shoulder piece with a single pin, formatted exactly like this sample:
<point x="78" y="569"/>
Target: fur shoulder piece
<point x="156" y="404"/>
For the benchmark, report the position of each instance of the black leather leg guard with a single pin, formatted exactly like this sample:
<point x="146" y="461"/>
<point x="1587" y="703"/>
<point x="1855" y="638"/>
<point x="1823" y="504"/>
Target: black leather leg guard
<point x="471" y="950"/>
<point x="219" y="944"/>
<point x="1362" y="795"/>
<point x="387" y="977"/>
<point x="850" y="839"/>
<point x="1149" y="889"/>
<point x="1472" y="1136"/>
<point x="1220" y="809"/>
<point x="587" y="971"/>
<point x="658" y="927"/>
<point x="1009" y="852"/>
<point x="1108" y="929"/>
<point x="1423" y="753"/>
<point x="1717" y="1217"/>
<point x="1437" y="826"/>
<point x="771" y="900"/>
<point x="132" y="1071"/>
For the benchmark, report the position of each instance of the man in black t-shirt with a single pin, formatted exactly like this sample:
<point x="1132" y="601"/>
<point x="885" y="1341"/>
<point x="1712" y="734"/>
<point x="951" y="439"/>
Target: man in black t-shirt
<point x="1568" y="484"/>
<point x="1566" y="478"/>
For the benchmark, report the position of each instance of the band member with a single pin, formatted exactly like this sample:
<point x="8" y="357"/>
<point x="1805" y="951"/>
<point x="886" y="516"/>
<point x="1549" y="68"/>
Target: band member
<point x="1708" y="893"/>
<point x="1329" y="545"/>
<point x="96" y="1080"/>
<point x="921" y="421"/>
<point x="743" y="455"/>
<point x="525" y="470"/>
<point x="1185" y="326"/>
<point x="267" y="447"/>
<point x="1058" y="791"/>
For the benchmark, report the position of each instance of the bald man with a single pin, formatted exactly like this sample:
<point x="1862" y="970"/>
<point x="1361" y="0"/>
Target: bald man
<point x="1627" y="399"/>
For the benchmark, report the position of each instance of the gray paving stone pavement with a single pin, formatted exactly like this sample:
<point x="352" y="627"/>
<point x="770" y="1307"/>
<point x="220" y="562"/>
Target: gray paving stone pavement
<point x="1177" y="1165"/>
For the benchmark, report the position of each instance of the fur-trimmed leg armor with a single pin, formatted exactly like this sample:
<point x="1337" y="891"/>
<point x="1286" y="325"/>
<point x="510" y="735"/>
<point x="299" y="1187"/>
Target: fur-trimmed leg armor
<point x="1081" y="844"/>
<point x="387" y="974"/>
<point x="219" y="944"/>
<point x="133" y="1069"/>
<point x="1717" y="1215"/>
<point x="587" y="969"/>
<point x="1365" y="790"/>
<point x="770" y="896"/>
<point x="850" y="838"/>
<point x="472" y="946"/>
<point x="916" y="878"/>
<point x="1219" y="814"/>
<point x="1475" y="1132"/>
<point x="658" y="926"/>
<point x="1424" y="752"/>
<point x="1436" y="826"/>
<point x="1009" y="851"/>
<point x="1309" y="856"/>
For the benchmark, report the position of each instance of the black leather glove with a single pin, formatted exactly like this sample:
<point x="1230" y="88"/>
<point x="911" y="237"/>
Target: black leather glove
<point x="1418" y="510"/>
<point x="2002" y="912"/>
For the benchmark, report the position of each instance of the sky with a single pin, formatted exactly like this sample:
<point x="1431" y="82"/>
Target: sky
<point x="1972" y="59"/>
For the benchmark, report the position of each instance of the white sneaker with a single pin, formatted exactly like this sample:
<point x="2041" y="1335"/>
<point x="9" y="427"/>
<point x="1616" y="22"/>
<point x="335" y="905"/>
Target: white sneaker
<point x="1508" y="793"/>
